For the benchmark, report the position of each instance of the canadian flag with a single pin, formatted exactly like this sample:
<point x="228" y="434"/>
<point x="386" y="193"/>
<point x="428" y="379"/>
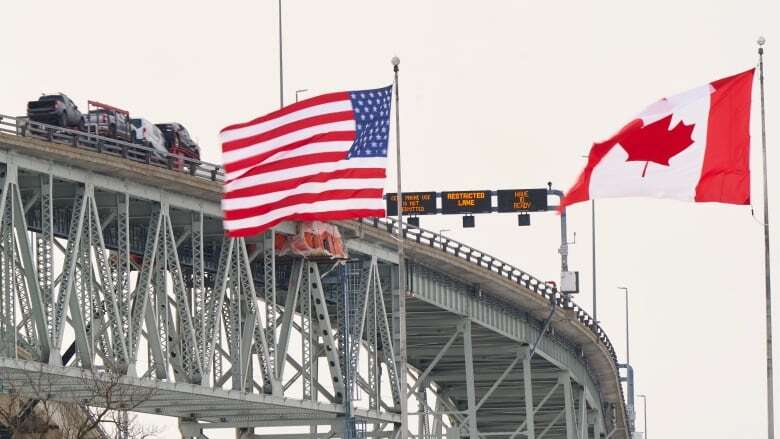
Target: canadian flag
<point x="694" y="146"/>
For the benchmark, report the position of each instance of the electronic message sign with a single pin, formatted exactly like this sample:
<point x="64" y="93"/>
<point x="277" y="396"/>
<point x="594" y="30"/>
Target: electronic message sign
<point x="462" y="202"/>
<point x="522" y="200"/>
<point x="413" y="203"/>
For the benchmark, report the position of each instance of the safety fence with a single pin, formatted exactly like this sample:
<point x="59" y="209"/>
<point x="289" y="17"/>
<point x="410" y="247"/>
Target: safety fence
<point x="22" y="126"/>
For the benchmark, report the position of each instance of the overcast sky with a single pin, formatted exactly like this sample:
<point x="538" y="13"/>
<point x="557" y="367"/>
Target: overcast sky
<point x="494" y="95"/>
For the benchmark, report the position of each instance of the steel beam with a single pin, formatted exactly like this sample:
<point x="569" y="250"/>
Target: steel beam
<point x="66" y="283"/>
<point x="529" y="397"/>
<point x="468" y="359"/>
<point x="290" y="304"/>
<point x="216" y="299"/>
<point x="551" y="424"/>
<point x="36" y="297"/>
<point x="326" y="331"/>
<point x="437" y="358"/>
<point x="583" y="412"/>
<point x="142" y="290"/>
<point x="107" y="288"/>
<point x="501" y="379"/>
<point x="568" y="399"/>
<point x="44" y="254"/>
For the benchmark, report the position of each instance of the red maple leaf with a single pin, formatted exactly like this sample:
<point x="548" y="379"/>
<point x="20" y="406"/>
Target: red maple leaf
<point x="655" y="142"/>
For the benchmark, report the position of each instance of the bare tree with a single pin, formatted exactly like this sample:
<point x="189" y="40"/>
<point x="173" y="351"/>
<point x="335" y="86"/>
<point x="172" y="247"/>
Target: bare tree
<point x="22" y="416"/>
<point x="98" y="410"/>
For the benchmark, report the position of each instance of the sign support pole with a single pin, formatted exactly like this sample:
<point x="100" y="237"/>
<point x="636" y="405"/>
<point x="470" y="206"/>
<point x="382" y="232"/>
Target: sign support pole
<point x="767" y="270"/>
<point x="401" y="267"/>
<point x="593" y="256"/>
<point x="281" y="68"/>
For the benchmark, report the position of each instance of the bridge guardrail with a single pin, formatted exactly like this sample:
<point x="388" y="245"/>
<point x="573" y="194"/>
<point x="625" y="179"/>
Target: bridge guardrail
<point x="22" y="126"/>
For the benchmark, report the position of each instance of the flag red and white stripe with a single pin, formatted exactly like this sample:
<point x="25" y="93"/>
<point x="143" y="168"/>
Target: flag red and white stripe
<point x="318" y="159"/>
<point x="694" y="146"/>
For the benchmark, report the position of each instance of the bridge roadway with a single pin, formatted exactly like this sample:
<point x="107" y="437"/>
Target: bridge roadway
<point x="471" y="318"/>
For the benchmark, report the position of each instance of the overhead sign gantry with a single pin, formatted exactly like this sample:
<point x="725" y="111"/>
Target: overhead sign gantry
<point x="471" y="202"/>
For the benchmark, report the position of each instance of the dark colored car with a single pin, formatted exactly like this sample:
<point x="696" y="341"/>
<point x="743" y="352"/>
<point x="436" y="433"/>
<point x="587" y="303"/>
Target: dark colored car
<point x="179" y="141"/>
<point x="105" y="120"/>
<point x="56" y="110"/>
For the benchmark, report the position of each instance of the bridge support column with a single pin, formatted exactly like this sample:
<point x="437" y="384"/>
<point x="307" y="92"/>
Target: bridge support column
<point x="438" y="424"/>
<point x="7" y="304"/>
<point x="470" y="391"/>
<point x="529" y="398"/>
<point x="583" y="412"/>
<point x="568" y="407"/>
<point x="595" y="420"/>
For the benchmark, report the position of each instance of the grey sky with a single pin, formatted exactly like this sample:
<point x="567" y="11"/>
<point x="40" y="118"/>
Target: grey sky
<point x="494" y="95"/>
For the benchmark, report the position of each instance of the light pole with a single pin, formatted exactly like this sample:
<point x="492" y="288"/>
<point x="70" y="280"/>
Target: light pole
<point x="625" y="290"/>
<point x="644" y="405"/>
<point x="297" y="92"/>
<point x="281" y="64"/>
<point x="593" y="256"/>
<point x="593" y="251"/>
<point x="629" y="372"/>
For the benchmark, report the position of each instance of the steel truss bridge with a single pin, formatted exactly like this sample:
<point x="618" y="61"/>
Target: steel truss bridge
<point x="111" y="260"/>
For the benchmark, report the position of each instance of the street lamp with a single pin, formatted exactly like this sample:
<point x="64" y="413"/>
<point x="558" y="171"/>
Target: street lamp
<point x="625" y="290"/>
<point x="297" y="92"/>
<point x="644" y="405"/>
<point x="629" y="371"/>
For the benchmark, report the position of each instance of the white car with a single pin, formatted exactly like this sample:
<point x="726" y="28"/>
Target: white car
<point x="147" y="133"/>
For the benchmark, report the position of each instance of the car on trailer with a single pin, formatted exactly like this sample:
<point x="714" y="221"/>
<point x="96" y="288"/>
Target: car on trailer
<point x="146" y="133"/>
<point x="55" y="109"/>
<point x="179" y="143"/>
<point x="106" y="120"/>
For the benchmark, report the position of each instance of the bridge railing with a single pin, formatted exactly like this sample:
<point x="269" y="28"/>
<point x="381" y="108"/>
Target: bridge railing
<point x="496" y="265"/>
<point x="22" y="126"/>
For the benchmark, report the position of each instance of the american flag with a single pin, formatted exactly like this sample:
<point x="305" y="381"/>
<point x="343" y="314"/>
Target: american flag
<point x="323" y="158"/>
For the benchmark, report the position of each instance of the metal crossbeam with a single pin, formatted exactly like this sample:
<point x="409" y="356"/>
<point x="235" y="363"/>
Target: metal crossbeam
<point x="290" y="304"/>
<point x="436" y="359"/>
<point x="66" y="283"/>
<point x="142" y="291"/>
<point x="326" y="331"/>
<point x="471" y="419"/>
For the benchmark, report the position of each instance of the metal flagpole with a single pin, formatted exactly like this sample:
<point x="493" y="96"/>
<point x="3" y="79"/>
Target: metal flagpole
<point x="767" y="273"/>
<point x="401" y="267"/>
<point x="593" y="256"/>
<point x="281" y="70"/>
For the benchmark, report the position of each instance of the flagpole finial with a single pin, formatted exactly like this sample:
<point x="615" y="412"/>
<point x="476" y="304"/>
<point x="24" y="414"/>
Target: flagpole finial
<point x="395" y="61"/>
<point x="761" y="41"/>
